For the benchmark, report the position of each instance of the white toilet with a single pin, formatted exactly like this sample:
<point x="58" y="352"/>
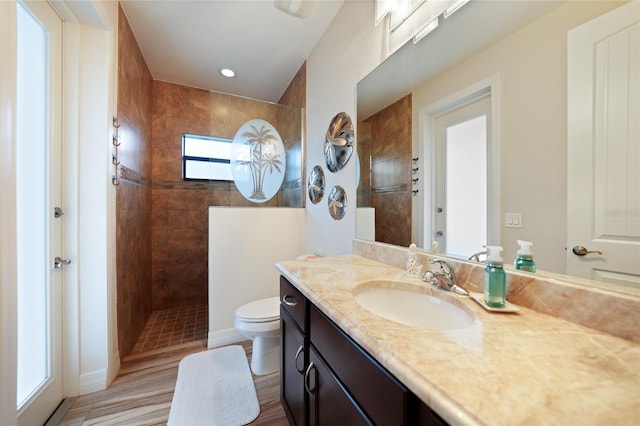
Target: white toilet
<point x="260" y="322"/>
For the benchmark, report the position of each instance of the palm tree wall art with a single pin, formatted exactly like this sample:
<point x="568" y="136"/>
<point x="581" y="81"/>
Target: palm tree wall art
<point x="258" y="160"/>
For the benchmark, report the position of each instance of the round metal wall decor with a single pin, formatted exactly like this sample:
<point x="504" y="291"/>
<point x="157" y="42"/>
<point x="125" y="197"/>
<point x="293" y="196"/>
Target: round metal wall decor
<point x="339" y="140"/>
<point x="258" y="160"/>
<point x="337" y="201"/>
<point x="316" y="184"/>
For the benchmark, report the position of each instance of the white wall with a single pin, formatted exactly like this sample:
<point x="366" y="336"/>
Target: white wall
<point x="94" y="210"/>
<point x="90" y="80"/>
<point x="245" y="243"/>
<point x="350" y="49"/>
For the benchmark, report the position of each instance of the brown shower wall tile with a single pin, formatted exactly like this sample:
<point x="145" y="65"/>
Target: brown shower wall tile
<point x="187" y="198"/>
<point x="165" y="166"/>
<point x="364" y="154"/>
<point x="391" y="150"/>
<point x="296" y="95"/>
<point x="220" y="197"/>
<point x="133" y="201"/>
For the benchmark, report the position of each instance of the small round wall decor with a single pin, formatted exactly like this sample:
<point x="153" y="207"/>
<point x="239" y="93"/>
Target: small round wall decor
<point x="339" y="141"/>
<point x="258" y="160"/>
<point x="316" y="184"/>
<point x="337" y="202"/>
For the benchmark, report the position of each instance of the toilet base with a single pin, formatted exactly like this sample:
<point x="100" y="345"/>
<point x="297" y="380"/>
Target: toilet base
<point x="265" y="355"/>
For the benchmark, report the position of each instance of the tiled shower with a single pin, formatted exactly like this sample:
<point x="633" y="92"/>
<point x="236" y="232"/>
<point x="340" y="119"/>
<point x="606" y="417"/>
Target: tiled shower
<point x="162" y="220"/>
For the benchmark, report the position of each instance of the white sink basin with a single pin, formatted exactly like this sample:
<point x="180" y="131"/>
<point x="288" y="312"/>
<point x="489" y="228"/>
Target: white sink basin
<point x="410" y="304"/>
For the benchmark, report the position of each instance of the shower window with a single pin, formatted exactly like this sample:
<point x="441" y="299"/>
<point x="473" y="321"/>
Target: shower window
<point x="206" y="158"/>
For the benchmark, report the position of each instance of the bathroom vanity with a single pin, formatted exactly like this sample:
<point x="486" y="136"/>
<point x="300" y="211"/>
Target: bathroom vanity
<point x="328" y="379"/>
<point x="342" y="364"/>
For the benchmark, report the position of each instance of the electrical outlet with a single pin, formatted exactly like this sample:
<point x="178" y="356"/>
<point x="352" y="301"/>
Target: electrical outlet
<point x="513" y="220"/>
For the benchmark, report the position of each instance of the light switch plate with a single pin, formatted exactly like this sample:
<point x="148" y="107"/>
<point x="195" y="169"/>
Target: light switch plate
<point x="513" y="220"/>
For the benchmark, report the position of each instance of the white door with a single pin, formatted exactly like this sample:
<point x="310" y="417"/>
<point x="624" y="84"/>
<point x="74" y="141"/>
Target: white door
<point x="39" y="227"/>
<point x="603" y="193"/>
<point x="461" y="178"/>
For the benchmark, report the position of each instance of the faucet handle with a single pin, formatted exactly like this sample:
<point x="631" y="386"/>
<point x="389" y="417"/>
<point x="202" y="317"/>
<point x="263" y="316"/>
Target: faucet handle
<point x="428" y="277"/>
<point x="446" y="268"/>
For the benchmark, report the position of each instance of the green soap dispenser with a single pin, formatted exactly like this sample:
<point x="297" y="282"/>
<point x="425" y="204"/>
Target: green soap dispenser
<point x="524" y="261"/>
<point x="495" y="280"/>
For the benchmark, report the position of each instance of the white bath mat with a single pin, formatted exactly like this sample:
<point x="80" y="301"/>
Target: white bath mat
<point x="214" y="388"/>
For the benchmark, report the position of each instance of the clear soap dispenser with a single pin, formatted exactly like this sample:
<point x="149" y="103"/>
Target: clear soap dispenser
<point x="524" y="260"/>
<point x="495" y="280"/>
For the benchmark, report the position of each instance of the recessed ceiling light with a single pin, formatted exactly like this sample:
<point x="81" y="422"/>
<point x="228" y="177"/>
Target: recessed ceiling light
<point x="227" y="72"/>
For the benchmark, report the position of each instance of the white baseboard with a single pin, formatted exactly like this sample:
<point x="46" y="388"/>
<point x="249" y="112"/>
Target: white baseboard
<point x="93" y="381"/>
<point x="224" y="337"/>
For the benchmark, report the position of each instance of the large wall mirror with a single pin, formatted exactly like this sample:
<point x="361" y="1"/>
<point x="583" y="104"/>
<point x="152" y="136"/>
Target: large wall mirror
<point x="510" y="58"/>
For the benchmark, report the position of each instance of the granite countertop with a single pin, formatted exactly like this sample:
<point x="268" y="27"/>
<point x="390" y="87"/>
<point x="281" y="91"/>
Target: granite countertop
<point x="524" y="368"/>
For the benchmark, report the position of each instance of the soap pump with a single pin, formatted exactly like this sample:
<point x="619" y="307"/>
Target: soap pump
<point x="495" y="280"/>
<point x="524" y="260"/>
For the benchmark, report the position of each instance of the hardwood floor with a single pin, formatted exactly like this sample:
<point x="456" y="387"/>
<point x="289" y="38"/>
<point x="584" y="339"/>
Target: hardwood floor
<point x="141" y="393"/>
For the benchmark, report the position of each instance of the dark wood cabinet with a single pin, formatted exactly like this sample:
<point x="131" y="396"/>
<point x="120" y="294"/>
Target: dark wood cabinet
<point x="330" y="404"/>
<point x="383" y="398"/>
<point x="294" y="358"/>
<point x="328" y="379"/>
<point x="292" y="368"/>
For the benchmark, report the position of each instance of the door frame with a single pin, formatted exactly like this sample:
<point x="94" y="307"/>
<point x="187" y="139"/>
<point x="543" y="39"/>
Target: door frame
<point x="426" y="146"/>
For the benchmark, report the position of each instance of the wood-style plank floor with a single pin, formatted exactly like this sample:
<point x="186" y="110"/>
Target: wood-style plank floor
<point x="141" y="393"/>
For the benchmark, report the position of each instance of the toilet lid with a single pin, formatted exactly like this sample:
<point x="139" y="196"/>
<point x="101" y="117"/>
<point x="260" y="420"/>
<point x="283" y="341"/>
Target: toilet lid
<point x="260" y="311"/>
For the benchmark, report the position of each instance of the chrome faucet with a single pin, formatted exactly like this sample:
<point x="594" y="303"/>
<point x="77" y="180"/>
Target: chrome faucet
<point x="443" y="278"/>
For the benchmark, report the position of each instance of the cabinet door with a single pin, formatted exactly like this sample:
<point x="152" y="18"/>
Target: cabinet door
<point x="385" y="400"/>
<point x="292" y="368"/>
<point x="329" y="403"/>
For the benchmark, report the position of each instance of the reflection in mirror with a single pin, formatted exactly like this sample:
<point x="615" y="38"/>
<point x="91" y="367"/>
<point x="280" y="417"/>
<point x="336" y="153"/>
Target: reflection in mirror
<point x="384" y="150"/>
<point x="316" y="184"/>
<point x="337" y="201"/>
<point x="338" y="144"/>
<point x="524" y="44"/>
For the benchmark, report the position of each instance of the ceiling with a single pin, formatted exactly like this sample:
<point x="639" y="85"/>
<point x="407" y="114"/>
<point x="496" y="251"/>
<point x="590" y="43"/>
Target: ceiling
<point x="188" y="42"/>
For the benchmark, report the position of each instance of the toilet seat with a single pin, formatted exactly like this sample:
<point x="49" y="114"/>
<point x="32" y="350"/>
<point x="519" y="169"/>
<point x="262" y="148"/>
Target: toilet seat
<point x="259" y="311"/>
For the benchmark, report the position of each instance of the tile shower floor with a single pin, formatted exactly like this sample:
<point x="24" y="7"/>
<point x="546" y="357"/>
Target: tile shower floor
<point x="174" y="326"/>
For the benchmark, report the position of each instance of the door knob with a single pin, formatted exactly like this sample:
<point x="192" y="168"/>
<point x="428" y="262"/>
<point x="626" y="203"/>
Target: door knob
<point x="58" y="262"/>
<point x="582" y="251"/>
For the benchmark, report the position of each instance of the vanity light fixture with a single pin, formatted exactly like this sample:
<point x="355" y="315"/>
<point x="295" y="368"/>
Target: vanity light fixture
<point x="426" y="30"/>
<point x="229" y="73"/>
<point x="454" y="7"/>
<point x="297" y="8"/>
